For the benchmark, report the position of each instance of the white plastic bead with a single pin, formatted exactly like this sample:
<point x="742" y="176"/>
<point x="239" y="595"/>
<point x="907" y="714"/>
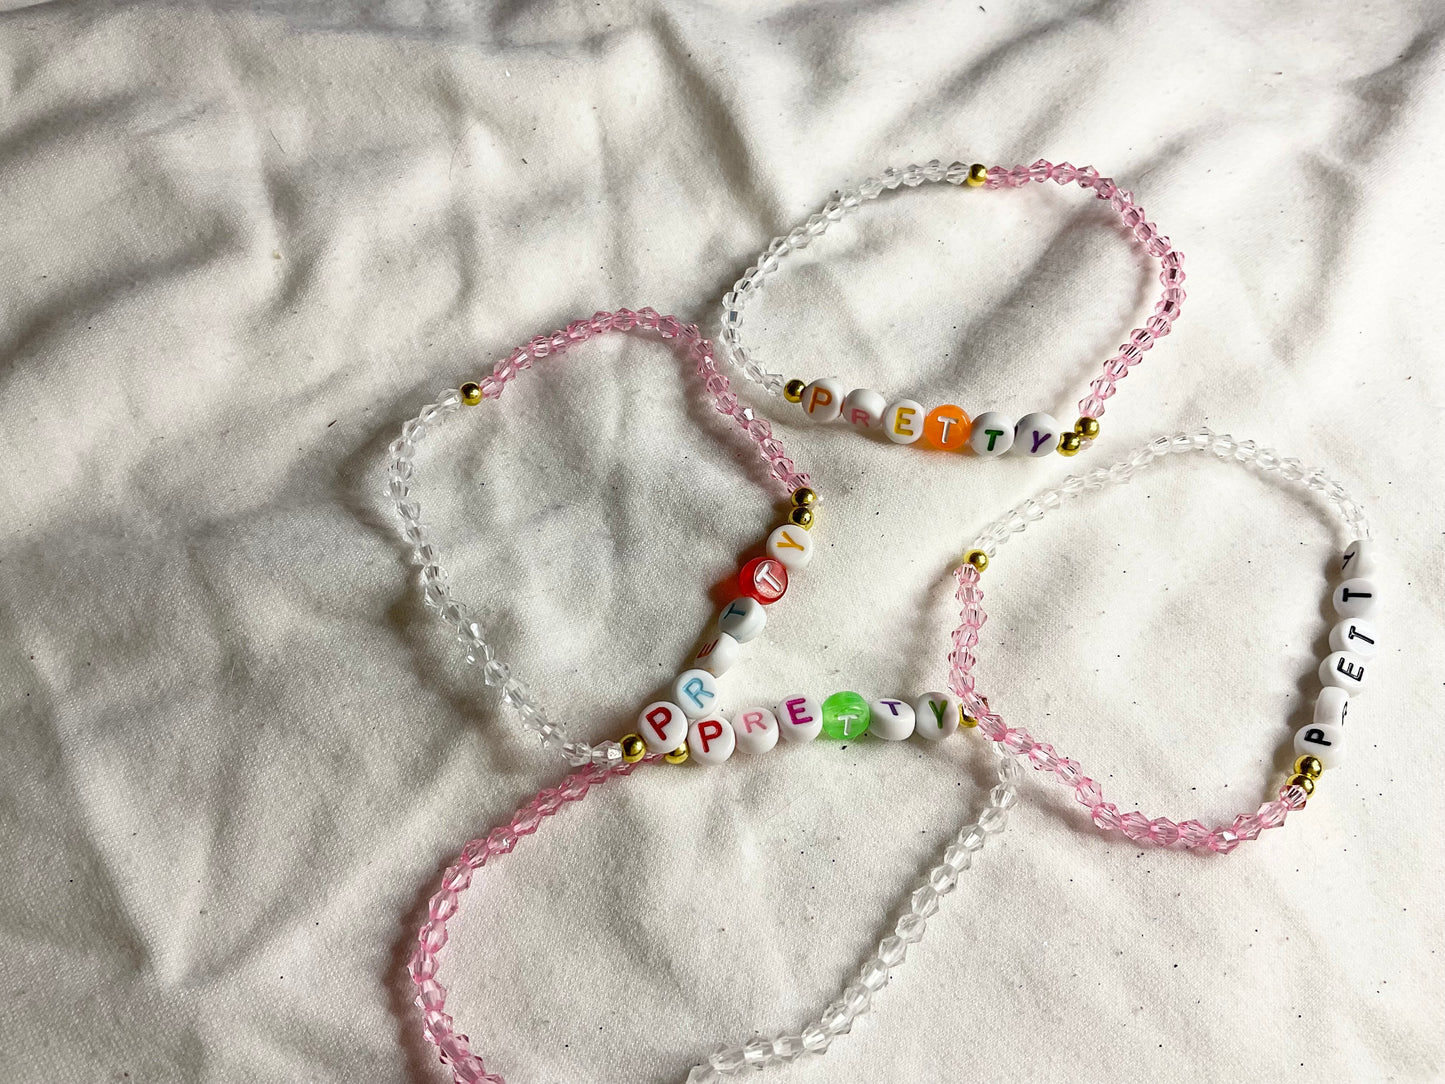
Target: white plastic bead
<point x="718" y="654"/>
<point x="743" y="619"/>
<point x="823" y="399"/>
<point x="903" y="421"/>
<point x="992" y="434"/>
<point x="935" y="716"/>
<point x="1036" y="435"/>
<point x="1326" y="742"/>
<point x="696" y="691"/>
<point x="1331" y="706"/>
<point x="791" y="545"/>
<point x="1355" y="634"/>
<point x="1344" y="670"/>
<point x="1359" y="559"/>
<point x="663" y="726"/>
<point x="756" y="730"/>
<point x="1354" y="598"/>
<point x="800" y="718"/>
<point x="892" y="720"/>
<point x="864" y="408"/>
<point x="710" y="740"/>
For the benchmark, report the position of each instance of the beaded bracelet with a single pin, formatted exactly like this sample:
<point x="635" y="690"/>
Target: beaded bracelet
<point x="1317" y="745"/>
<point x="762" y="581"/>
<point x="454" y="1049"/>
<point x="949" y="427"/>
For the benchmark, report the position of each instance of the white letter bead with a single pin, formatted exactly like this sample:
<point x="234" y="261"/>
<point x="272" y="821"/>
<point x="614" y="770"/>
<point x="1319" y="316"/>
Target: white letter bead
<point x="743" y="619"/>
<point x="1355" y="634"/>
<point x="1359" y="559"/>
<point x="1344" y="670"/>
<point x="1036" y="435"/>
<point x="992" y="434"/>
<point x="1354" y="598"/>
<point x="791" y="545"/>
<point x="755" y="730"/>
<point x="710" y="740"/>
<point x="800" y="718"/>
<point x="892" y="720"/>
<point x="696" y="691"/>
<point x="1326" y="742"/>
<point x="903" y="421"/>
<point x="718" y="654"/>
<point x="864" y="408"/>
<point x="936" y="716"/>
<point x="823" y="399"/>
<point x="1331" y="706"/>
<point x="663" y="727"/>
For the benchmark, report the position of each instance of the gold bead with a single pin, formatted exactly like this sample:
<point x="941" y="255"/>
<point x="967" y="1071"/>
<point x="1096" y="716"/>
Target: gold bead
<point x="803" y="517"/>
<point x="1087" y="428"/>
<point x="471" y="393"/>
<point x="977" y="175"/>
<point x="804" y="497"/>
<point x="633" y="748"/>
<point x="967" y="720"/>
<point x="793" y="390"/>
<point x="1309" y="766"/>
<point x="1070" y="443"/>
<point x="977" y="558"/>
<point x="1304" y="782"/>
<point x="677" y="756"/>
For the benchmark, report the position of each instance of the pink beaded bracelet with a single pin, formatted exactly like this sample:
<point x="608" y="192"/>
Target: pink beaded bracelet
<point x="948" y="427"/>
<point x="1318" y="745"/>
<point x="762" y="581"/>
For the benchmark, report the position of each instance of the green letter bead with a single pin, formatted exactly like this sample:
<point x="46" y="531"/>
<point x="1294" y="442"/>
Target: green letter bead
<point x="845" y="715"/>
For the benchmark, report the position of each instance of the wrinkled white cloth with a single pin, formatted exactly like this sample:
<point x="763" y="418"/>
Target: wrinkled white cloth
<point x="241" y="247"/>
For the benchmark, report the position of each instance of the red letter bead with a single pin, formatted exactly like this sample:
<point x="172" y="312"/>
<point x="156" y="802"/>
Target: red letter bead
<point x="663" y="727"/>
<point x="710" y="740"/>
<point x="755" y="730"/>
<point x="764" y="579"/>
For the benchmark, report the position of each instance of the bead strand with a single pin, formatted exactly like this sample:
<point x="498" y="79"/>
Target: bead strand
<point x="1352" y="599"/>
<point x="434" y="578"/>
<point x="948" y="427"/>
<point x="923" y="902"/>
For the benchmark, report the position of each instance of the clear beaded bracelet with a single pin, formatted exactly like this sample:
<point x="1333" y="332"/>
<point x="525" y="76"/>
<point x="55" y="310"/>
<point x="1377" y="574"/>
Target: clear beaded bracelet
<point x="762" y="580"/>
<point x="1318" y="745"/>
<point x="948" y="427"/>
<point x="923" y="901"/>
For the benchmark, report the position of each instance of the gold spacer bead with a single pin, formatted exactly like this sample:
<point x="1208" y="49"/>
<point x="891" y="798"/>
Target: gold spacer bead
<point x="967" y="720"/>
<point x="977" y="175"/>
<point x="471" y="393"/>
<point x="677" y="756"/>
<point x="633" y="748"/>
<point x="1309" y="766"/>
<point x="803" y="517"/>
<point x="1070" y="443"/>
<point x="1304" y="782"/>
<point x="1087" y="428"/>
<point x="803" y="497"/>
<point x="977" y="558"/>
<point x="793" y="390"/>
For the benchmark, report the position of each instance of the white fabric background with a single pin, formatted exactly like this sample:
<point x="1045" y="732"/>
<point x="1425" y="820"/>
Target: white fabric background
<point x="239" y="249"/>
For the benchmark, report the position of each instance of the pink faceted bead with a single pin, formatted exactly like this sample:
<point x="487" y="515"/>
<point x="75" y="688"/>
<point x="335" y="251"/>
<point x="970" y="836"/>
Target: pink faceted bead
<point x="540" y="346"/>
<point x="1168" y="308"/>
<point x="1040" y="170"/>
<point x="1088" y="792"/>
<point x="1135" y="825"/>
<point x="669" y="327"/>
<point x="1121" y="199"/>
<point x="1192" y="833"/>
<point x="1042" y="757"/>
<point x="725" y="403"/>
<point x="1272" y="814"/>
<point x="798" y="480"/>
<point x="1104" y="188"/>
<point x="1018" y="177"/>
<point x="1173" y="259"/>
<point x="443" y="905"/>
<point x="1116" y="369"/>
<point x="1172" y="276"/>
<point x="1293" y="797"/>
<point x="1164" y="832"/>
<point x="624" y="319"/>
<point x="1103" y="387"/>
<point x="1142" y="339"/>
<point x="579" y="331"/>
<point x="1018" y="742"/>
<point x="1158" y="326"/>
<point x="501" y="841"/>
<point x="781" y="468"/>
<point x="1222" y="841"/>
<point x="1063" y="173"/>
<point x="433" y="936"/>
<point x="521" y="359"/>
<point x="458" y="878"/>
<point x="524" y="824"/>
<point x="431" y="995"/>
<point x="558" y="340"/>
<point x="601" y="322"/>
<point x="1106" y="816"/>
<point x="1132" y="353"/>
<point x="1086" y="176"/>
<point x="771" y="448"/>
<point x="1247" y="826"/>
<point x="1091" y="407"/>
<point x="647" y="318"/>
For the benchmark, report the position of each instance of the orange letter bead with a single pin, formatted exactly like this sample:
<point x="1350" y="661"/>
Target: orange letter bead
<point x="946" y="427"/>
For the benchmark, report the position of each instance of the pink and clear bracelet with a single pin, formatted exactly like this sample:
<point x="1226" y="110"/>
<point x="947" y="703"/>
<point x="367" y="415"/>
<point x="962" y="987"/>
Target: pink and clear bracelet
<point x="921" y="903"/>
<point x="948" y="427"/>
<point x="762" y="580"/>
<point x="1318" y="745"/>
